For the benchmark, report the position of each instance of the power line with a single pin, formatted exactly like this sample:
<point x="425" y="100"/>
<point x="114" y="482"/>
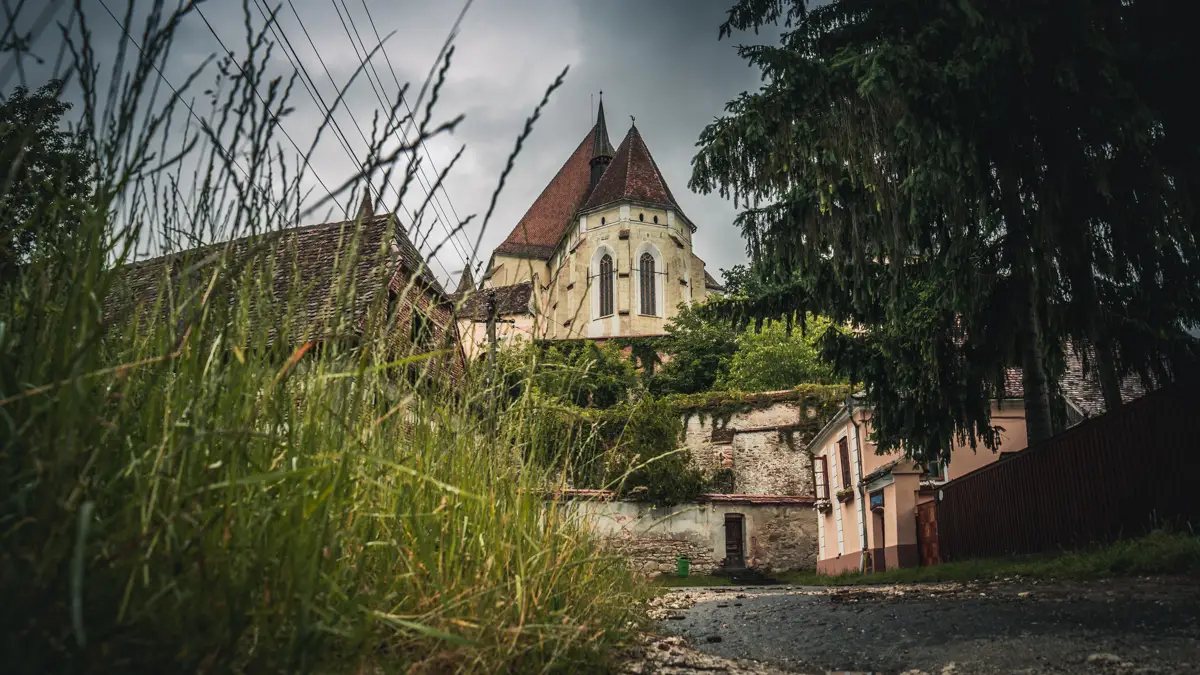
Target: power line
<point x="227" y="155"/>
<point x="310" y="86"/>
<point x="321" y="60"/>
<point x="395" y="79"/>
<point x="429" y="185"/>
<point x="275" y="118"/>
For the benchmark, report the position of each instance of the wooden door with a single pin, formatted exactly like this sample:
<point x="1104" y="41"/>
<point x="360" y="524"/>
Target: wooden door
<point x="927" y="534"/>
<point x="735" y="557"/>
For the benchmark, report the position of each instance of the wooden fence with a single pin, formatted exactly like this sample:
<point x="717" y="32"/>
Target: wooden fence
<point x="1113" y="476"/>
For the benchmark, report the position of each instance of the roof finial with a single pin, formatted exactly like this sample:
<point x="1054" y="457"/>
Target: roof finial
<point x="632" y="121"/>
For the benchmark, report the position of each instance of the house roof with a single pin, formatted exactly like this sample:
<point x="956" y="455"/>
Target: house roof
<point x="1079" y="387"/>
<point x="538" y="232"/>
<point x="633" y="175"/>
<point x="513" y="299"/>
<point x="303" y="265"/>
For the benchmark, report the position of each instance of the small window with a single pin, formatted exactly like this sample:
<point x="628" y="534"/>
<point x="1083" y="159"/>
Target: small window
<point x="601" y="220"/>
<point x="655" y="220"/>
<point x="821" y="477"/>
<point x="936" y="471"/>
<point x="642" y="217"/>
<point x="844" y="457"/>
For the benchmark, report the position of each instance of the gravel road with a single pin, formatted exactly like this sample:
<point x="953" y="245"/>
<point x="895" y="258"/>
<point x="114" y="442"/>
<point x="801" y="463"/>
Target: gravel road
<point x="1127" y="626"/>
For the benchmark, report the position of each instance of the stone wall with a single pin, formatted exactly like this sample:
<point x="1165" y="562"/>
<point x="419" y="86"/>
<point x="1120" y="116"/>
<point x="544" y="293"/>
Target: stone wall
<point x="778" y="536"/>
<point x="765" y="447"/>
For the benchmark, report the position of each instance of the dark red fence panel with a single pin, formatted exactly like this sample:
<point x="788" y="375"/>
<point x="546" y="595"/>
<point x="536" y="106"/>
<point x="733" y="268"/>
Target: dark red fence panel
<point x="1117" y="475"/>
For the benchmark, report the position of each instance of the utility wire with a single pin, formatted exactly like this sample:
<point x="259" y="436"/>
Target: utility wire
<point x="226" y="155"/>
<point x="310" y="86"/>
<point x="429" y="185"/>
<point x="328" y="74"/>
<point x="275" y="118"/>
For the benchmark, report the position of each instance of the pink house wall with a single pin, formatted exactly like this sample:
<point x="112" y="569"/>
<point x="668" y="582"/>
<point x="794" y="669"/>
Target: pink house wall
<point x="897" y="547"/>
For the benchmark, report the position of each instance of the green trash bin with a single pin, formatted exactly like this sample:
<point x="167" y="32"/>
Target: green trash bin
<point x="683" y="565"/>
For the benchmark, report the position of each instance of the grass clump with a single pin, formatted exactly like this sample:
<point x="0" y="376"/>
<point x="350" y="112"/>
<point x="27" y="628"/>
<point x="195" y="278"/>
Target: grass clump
<point x="219" y="477"/>
<point x="1158" y="553"/>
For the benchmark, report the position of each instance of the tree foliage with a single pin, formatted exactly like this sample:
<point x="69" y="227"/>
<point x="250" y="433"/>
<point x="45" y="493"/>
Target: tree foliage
<point x="581" y="373"/>
<point x="975" y="184"/>
<point x="700" y="351"/>
<point x="777" y="357"/>
<point x="45" y="184"/>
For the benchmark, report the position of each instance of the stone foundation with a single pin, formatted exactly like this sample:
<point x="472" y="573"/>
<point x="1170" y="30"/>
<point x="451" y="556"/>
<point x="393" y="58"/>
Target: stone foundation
<point x="653" y="556"/>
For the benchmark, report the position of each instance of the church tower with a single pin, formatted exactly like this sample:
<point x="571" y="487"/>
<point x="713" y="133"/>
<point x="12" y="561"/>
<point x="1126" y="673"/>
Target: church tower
<point x="605" y="250"/>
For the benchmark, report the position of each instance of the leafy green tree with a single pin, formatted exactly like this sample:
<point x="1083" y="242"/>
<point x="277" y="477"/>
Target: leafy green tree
<point x="581" y="373"/>
<point x="976" y="165"/>
<point x="45" y="182"/>
<point x="699" y="349"/>
<point x="778" y="358"/>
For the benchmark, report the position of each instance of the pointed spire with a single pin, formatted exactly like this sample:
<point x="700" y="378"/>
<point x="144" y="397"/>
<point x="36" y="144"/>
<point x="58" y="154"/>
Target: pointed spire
<point x="601" y="145"/>
<point x="466" y="282"/>
<point x="602" y="149"/>
<point x="367" y="209"/>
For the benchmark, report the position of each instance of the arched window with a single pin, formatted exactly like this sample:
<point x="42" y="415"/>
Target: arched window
<point x="606" y="285"/>
<point x="646" y="284"/>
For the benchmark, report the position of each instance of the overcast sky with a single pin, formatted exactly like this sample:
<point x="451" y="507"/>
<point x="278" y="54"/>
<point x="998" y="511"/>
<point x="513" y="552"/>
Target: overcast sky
<point x="658" y="60"/>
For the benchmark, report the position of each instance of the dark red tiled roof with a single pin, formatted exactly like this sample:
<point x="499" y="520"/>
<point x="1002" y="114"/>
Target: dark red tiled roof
<point x="512" y="299"/>
<point x="633" y="175"/>
<point x="543" y="225"/>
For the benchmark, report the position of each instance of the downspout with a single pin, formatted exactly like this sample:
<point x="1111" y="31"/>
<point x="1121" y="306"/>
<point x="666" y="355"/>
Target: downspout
<point x="862" y="491"/>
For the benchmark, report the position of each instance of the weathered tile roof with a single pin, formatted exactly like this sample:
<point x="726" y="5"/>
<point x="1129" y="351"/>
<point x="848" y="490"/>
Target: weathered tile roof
<point x="1081" y="389"/>
<point x="634" y="176"/>
<point x="513" y="299"/>
<point x="543" y="225"/>
<point x="304" y="265"/>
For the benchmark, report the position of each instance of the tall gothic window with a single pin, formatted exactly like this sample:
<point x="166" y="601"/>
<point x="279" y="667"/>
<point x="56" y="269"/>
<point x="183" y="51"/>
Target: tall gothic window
<point x="647" y="284"/>
<point x="606" y="285"/>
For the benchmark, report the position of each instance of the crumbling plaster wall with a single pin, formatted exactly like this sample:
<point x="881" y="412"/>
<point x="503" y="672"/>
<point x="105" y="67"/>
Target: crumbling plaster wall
<point x="765" y="447"/>
<point x="776" y="537"/>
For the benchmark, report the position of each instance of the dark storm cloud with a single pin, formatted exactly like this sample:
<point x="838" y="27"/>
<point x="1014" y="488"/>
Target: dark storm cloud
<point x="659" y="61"/>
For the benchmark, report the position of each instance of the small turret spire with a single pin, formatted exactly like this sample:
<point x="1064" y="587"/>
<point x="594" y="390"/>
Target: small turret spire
<point x="367" y="209"/>
<point x="601" y="145"/>
<point x="602" y="148"/>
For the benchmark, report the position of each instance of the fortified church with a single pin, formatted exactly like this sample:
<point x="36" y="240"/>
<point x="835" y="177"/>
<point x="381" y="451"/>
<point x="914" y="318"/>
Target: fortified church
<point x="604" y="251"/>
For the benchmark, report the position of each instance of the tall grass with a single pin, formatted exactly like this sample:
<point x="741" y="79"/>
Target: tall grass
<point x="195" y="484"/>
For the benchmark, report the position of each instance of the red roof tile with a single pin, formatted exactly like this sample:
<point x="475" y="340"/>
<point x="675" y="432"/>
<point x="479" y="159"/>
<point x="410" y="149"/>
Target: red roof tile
<point x="633" y="175"/>
<point x="540" y="229"/>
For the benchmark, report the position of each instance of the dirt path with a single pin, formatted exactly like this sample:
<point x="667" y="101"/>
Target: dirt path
<point x="1127" y="626"/>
